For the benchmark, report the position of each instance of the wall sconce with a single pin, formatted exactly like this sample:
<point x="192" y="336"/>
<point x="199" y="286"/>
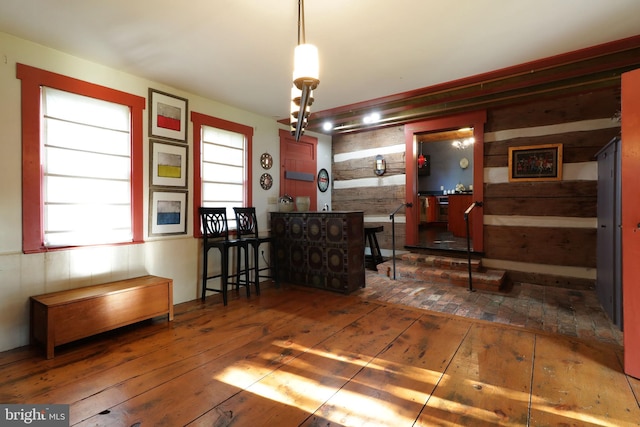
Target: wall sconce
<point x="380" y="166"/>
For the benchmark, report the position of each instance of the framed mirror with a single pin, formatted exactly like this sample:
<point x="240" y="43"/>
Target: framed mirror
<point x="266" y="161"/>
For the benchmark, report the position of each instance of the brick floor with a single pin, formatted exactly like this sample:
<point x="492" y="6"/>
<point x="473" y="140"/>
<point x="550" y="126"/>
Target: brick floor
<point x="557" y="310"/>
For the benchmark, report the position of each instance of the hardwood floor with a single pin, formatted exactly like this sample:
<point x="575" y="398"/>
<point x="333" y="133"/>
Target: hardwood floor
<point x="298" y="356"/>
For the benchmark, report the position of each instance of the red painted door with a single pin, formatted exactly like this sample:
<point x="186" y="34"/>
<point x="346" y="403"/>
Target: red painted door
<point x="630" y="148"/>
<point x="298" y="162"/>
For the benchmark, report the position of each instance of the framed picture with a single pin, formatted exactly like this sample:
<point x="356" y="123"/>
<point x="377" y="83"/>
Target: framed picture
<point x="167" y="116"/>
<point x="168" y="164"/>
<point x="535" y="163"/>
<point x="168" y="212"/>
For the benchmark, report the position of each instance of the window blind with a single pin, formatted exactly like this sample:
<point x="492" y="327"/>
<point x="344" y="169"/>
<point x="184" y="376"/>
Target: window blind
<point x="86" y="170"/>
<point x="223" y="170"/>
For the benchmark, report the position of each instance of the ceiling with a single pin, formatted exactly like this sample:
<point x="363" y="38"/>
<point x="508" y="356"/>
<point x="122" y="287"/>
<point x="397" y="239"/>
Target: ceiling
<point x="240" y="52"/>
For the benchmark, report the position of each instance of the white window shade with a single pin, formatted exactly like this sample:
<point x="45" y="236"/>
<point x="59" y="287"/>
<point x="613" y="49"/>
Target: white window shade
<point x="223" y="169"/>
<point x="87" y="170"/>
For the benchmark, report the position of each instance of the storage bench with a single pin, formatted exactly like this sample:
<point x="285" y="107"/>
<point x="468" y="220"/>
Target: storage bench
<point x="61" y="317"/>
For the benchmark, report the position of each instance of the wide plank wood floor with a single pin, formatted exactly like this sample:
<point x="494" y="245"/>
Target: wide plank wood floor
<point x="297" y="356"/>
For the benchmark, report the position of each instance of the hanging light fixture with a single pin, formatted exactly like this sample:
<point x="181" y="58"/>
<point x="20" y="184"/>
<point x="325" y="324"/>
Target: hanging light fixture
<point x="463" y="143"/>
<point x="421" y="159"/>
<point x="305" y="78"/>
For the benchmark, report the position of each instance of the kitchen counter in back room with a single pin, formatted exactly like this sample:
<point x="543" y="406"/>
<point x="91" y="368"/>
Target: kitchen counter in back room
<point x="458" y="204"/>
<point x="323" y="249"/>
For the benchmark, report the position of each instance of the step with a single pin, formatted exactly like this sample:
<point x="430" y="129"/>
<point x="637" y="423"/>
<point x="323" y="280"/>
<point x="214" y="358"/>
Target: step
<point x="483" y="279"/>
<point x="439" y="261"/>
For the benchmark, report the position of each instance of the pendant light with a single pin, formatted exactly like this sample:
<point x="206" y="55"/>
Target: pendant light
<point x="421" y="159"/>
<point x="305" y="78"/>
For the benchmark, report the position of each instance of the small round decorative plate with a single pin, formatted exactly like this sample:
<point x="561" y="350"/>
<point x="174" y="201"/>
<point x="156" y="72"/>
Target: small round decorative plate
<point x="323" y="180"/>
<point x="464" y="163"/>
<point x="266" y="181"/>
<point x="266" y="161"/>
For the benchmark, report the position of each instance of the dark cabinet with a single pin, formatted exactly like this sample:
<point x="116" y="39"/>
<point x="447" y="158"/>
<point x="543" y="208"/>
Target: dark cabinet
<point x="609" y="237"/>
<point x="320" y="249"/>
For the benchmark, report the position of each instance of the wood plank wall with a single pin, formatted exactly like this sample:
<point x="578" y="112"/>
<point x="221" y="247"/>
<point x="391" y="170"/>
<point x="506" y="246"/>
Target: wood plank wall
<point x="357" y="187"/>
<point x="542" y="232"/>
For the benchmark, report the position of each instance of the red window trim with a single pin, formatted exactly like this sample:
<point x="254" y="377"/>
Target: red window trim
<point x="32" y="175"/>
<point x="198" y="121"/>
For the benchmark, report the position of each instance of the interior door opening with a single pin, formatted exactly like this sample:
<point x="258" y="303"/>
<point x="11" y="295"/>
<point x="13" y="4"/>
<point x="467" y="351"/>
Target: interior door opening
<point x="445" y="188"/>
<point x="444" y="176"/>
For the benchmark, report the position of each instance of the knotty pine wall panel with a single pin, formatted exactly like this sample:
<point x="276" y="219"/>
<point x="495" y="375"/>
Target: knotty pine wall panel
<point x="551" y="206"/>
<point x="583" y="124"/>
<point x="357" y="187"/>
<point x="554" y="198"/>
<point x="364" y="167"/>
<point x="566" y="210"/>
<point x="540" y="245"/>
<point x="598" y="104"/>
<point x="577" y="146"/>
<point x="360" y="141"/>
<point x="563" y="242"/>
<point x="371" y="200"/>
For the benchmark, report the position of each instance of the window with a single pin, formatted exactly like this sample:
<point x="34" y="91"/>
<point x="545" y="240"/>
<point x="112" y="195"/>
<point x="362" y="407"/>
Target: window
<point x="86" y="170"/>
<point x="223" y="167"/>
<point x="82" y="163"/>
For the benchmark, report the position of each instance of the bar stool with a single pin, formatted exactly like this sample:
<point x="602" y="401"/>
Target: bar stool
<point x="376" y="256"/>
<point x="215" y="234"/>
<point x="247" y="229"/>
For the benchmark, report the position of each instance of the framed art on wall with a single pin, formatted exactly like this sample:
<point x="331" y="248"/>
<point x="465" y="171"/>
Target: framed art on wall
<point x="168" y="212"/>
<point x="167" y="116"/>
<point x="535" y="163"/>
<point x="168" y="164"/>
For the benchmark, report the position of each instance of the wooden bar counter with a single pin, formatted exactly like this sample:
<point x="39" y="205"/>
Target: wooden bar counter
<point x="320" y="249"/>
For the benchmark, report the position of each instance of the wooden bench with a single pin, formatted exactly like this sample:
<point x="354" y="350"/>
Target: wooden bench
<point x="61" y="317"/>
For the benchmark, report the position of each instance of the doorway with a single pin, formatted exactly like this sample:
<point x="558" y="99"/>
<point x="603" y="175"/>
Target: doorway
<point x="298" y="167"/>
<point x="445" y="188"/>
<point x="444" y="131"/>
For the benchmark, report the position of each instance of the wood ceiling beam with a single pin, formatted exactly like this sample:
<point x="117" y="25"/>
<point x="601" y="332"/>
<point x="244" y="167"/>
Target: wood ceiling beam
<point x="587" y="69"/>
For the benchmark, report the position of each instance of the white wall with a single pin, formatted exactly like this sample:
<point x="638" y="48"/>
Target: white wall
<point x="177" y="257"/>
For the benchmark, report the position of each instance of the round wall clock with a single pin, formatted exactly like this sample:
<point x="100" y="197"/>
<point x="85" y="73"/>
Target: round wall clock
<point x="266" y="181"/>
<point x="323" y="180"/>
<point x="464" y="163"/>
<point x="266" y="161"/>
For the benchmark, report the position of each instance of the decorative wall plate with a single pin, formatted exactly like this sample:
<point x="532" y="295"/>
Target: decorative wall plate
<point x="266" y="181"/>
<point x="266" y="161"/>
<point x="323" y="180"/>
<point x="464" y="163"/>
